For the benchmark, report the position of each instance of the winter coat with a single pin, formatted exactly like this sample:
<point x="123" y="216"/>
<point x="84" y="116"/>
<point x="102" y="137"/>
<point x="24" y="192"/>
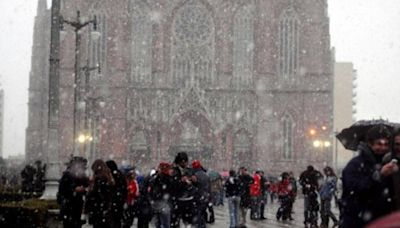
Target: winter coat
<point x="255" y="188"/>
<point x="328" y="188"/>
<point x="160" y="191"/>
<point x="232" y="187"/>
<point x="309" y="181"/>
<point x="119" y="195"/>
<point x="393" y="182"/>
<point x="99" y="202"/>
<point x="183" y="191"/>
<point x="245" y="183"/>
<point x="203" y="185"/>
<point x="364" y="195"/>
<point x="71" y="203"/>
<point x="132" y="192"/>
<point x="284" y="188"/>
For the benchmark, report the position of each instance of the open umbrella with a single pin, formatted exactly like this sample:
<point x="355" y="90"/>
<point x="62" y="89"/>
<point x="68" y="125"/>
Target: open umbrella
<point x="350" y="137"/>
<point x="392" y="220"/>
<point x="214" y="175"/>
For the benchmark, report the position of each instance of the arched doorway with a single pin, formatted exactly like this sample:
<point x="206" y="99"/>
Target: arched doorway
<point x="192" y="141"/>
<point x="242" y="155"/>
<point x="139" y="150"/>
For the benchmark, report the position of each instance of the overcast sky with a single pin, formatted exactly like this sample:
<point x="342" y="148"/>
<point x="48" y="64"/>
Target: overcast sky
<point x="365" y="32"/>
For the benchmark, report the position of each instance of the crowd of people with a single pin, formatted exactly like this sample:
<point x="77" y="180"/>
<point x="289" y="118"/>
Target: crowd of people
<point x="184" y="192"/>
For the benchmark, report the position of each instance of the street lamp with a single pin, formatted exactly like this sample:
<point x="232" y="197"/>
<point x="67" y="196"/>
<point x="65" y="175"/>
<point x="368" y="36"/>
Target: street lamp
<point x="78" y="24"/>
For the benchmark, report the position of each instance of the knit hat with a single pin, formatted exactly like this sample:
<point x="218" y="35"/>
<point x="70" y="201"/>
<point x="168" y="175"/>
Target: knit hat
<point x="196" y="164"/>
<point x="164" y="167"/>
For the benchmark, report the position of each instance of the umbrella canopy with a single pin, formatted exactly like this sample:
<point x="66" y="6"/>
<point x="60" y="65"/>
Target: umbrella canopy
<point x="214" y="175"/>
<point x="392" y="220"/>
<point x="350" y="137"/>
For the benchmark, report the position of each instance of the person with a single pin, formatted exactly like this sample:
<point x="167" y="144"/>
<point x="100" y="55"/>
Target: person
<point x="131" y="198"/>
<point x="145" y="211"/>
<point x="309" y="180"/>
<point x="232" y="193"/>
<point x="203" y="196"/>
<point x="263" y="183"/>
<point x="293" y="193"/>
<point x="184" y="205"/>
<point x="160" y="191"/>
<point x="255" y="193"/>
<point x="71" y="192"/>
<point x="245" y="181"/>
<point x="99" y="197"/>
<point x="394" y="182"/>
<point x="119" y="194"/>
<point x="284" y="193"/>
<point x="326" y="193"/>
<point x="365" y="196"/>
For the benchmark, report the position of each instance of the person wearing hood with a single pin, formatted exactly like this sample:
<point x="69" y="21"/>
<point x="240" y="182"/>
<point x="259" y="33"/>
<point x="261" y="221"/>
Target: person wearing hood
<point x="203" y="185"/>
<point x="119" y="194"/>
<point x="71" y="191"/>
<point x="365" y="192"/>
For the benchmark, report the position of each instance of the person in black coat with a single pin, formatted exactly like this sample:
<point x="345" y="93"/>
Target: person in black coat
<point x="160" y="191"/>
<point x="309" y="181"/>
<point x="119" y="195"/>
<point x="99" y="197"/>
<point x="365" y="196"/>
<point x="144" y="209"/>
<point x="245" y="181"/>
<point x="232" y="193"/>
<point x="72" y="189"/>
<point x="184" y="204"/>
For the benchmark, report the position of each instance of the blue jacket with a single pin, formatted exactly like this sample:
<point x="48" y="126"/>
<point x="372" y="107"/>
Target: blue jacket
<point x="328" y="188"/>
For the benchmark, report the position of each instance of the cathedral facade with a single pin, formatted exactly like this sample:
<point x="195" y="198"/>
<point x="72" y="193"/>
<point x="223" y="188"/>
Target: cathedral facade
<point x="232" y="83"/>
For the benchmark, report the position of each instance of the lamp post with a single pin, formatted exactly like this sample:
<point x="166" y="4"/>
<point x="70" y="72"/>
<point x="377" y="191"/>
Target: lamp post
<point x="78" y="103"/>
<point x="53" y="163"/>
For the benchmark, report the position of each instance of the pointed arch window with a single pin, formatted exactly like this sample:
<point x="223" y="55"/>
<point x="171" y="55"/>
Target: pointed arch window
<point x="142" y="39"/>
<point x="287" y="137"/>
<point x="193" y="46"/>
<point x="288" y="44"/>
<point x="243" y="48"/>
<point x="139" y="149"/>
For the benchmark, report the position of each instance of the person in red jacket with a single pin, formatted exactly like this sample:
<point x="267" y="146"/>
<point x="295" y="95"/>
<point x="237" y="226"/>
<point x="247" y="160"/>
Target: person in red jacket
<point x="255" y="193"/>
<point x="132" y="196"/>
<point x="284" y="194"/>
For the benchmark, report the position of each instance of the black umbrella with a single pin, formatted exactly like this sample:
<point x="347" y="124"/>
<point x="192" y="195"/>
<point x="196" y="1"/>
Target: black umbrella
<point x="350" y="137"/>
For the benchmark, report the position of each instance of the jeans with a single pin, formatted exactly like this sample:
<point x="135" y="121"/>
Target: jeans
<point x="310" y="210"/>
<point x="326" y="212"/>
<point x="255" y="207"/>
<point x="233" y="204"/>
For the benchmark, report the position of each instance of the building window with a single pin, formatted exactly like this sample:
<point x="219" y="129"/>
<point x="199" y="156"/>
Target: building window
<point x="192" y="61"/>
<point x="242" y="155"/>
<point x="142" y="40"/>
<point x="287" y="137"/>
<point x="243" y="48"/>
<point x="288" y="44"/>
